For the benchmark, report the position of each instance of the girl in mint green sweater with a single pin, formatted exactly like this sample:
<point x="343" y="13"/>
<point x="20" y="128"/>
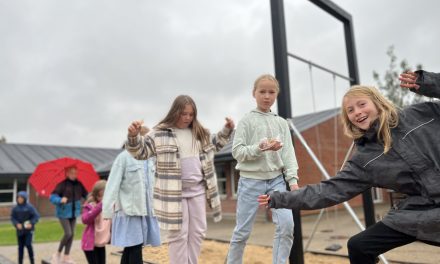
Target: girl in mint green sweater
<point x="266" y="159"/>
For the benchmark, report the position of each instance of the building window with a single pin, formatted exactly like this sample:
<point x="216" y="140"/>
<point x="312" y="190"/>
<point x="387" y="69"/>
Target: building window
<point x="9" y="189"/>
<point x="377" y="195"/>
<point x="221" y="179"/>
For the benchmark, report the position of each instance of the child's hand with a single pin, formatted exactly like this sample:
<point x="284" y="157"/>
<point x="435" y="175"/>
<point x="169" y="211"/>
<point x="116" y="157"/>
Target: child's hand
<point x="19" y="226"/>
<point x="276" y="145"/>
<point x="294" y="187"/>
<point x="263" y="200"/>
<point x="271" y="144"/>
<point x="135" y="128"/>
<point x="408" y="80"/>
<point x="229" y="123"/>
<point x="63" y="200"/>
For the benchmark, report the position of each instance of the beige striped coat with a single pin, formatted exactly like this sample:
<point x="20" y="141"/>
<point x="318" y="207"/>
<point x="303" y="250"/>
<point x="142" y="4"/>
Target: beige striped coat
<point x="162" y="143"/>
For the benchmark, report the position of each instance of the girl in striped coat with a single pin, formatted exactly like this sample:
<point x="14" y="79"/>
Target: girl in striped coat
<point x="185" y="175"/>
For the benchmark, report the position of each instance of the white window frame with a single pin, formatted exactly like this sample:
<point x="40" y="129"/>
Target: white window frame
<point x="377" y="194"/>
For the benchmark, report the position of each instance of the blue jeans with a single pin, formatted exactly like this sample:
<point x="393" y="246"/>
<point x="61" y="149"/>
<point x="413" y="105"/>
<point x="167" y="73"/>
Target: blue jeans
<point x="247" y="207"/>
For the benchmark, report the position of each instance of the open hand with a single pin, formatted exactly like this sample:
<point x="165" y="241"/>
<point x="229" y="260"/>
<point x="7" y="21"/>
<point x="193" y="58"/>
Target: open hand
<point x="135" y="128"/>
<point x="229" y="123"/>
<point x="19" y="226"/>
<point x="63" y="200"/>
<point x="408" y="80"/>
<point x="263" y="200"/>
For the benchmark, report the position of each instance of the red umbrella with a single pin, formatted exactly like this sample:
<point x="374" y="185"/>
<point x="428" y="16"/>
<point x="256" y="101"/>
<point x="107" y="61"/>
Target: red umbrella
<point x="48" y="174"/>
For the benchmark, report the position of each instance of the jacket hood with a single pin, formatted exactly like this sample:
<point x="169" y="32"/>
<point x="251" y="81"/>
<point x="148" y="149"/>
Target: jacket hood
<point x="23" y="194"/>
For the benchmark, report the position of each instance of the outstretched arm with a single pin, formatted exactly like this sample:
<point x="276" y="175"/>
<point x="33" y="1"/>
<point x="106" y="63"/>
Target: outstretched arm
<point x="140" y="147"/>
<point x="348" y="183"/>
<point x="220" y="139"/>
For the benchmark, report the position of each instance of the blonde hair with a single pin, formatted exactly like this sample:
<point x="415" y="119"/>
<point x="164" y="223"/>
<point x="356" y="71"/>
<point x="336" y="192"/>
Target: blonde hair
<point x="266" y="77"/>
<point x="198" y="131"/>
<point x="97" y="187"/>
<point x="387" y="115"/>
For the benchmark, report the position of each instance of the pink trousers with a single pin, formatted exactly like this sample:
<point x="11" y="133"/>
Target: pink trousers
<point x="184" y="245"/>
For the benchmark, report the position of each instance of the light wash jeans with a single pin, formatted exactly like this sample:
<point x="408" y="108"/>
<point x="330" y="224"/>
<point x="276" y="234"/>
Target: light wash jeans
<point x="247" y="206"/>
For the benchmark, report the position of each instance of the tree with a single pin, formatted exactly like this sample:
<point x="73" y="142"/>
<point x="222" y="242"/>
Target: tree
<point x="390" y="85"/>
<point x="2" y="139"/>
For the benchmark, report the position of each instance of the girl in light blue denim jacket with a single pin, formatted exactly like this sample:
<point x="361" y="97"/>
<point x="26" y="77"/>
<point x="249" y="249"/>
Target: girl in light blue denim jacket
<point x="128" y="201"/>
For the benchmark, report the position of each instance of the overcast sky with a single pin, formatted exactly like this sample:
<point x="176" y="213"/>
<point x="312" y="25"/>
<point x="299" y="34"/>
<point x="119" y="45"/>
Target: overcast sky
<point x="77" y="72"/>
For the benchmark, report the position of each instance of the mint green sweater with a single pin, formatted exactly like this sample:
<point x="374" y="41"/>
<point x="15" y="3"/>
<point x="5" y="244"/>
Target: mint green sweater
<point x="264" y="165"/>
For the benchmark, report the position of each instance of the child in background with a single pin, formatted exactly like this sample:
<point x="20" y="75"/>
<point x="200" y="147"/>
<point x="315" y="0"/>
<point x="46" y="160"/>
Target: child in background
<point x="67" y="200"/>
<point x="128" y="201"/>
<point x="266" y="159"/>
<point x="185" y="175"/>
<point x="24" y="217"/>
<point x="91" y="217"/>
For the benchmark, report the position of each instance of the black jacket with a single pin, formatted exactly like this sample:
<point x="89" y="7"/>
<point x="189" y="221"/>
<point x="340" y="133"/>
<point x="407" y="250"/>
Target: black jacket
<point x="412" y="167"/>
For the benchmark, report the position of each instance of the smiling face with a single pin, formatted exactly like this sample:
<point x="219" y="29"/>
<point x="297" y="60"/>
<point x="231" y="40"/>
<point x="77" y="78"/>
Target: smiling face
<point x="186" y="117"/>
<point x="265" y="94"/>
<point x="361" y="111"/>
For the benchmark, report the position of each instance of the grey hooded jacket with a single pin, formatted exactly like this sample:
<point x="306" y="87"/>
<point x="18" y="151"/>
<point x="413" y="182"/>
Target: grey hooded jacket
<point x="412" y="167"/>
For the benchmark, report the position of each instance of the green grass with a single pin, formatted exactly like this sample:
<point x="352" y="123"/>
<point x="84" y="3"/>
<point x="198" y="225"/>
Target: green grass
<point x="45" y="231"/>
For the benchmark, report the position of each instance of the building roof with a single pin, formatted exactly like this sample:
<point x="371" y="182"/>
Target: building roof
<point x="302" y="123"/>
<point x="22" y="159"/>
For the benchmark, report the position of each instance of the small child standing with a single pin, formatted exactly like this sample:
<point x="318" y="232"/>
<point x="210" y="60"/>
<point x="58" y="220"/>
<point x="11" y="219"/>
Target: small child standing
<point x="265" y="158"/>
<point x="91" y="216"/>
<point x="24" y="217"/>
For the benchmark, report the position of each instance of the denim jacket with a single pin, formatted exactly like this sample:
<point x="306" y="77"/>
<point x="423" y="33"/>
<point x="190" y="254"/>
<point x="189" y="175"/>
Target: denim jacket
<point x="125" y="189"/>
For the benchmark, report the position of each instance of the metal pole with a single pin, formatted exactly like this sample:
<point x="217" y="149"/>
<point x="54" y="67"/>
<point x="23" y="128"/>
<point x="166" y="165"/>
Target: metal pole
<point x="284" y="105"/>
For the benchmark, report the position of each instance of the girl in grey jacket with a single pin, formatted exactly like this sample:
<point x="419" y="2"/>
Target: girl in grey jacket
<point x="395" y="149"/>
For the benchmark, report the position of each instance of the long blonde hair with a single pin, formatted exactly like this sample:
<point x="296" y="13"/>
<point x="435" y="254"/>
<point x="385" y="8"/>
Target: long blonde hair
<point x="198" y="131"/>
<point x="97" y="187"/>
<point x="387" y="111"/>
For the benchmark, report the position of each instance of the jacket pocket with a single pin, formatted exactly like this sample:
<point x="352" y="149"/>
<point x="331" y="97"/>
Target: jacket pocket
<point x="133" y="174"/>
<point x="166" y="157"/>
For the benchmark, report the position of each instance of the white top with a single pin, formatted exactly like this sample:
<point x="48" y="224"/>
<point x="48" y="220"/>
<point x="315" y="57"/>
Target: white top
<point x="192" y="176"/>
